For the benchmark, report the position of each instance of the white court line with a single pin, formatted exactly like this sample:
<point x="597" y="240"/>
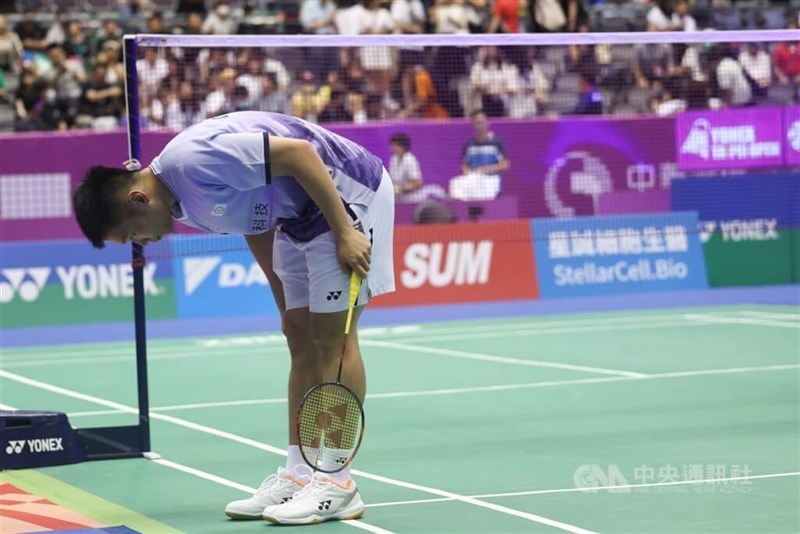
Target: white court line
<point x="247" y="489"/>
<point x="202" y="345"/>
<point x="498" y="359"/>
<point x="275" y="450"/>
<point x="476" y="389"/>
<point x="7" y="407"/>
<point x="593" y="489"/>
<point x="719" y="319"/>
<point x="770" y="315"/>
<point x="129" y="355"/>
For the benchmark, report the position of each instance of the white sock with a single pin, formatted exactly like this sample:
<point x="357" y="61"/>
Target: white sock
<point x="333" y="458"/>
<point x="294" y="459"/>
<point x="341" y="476"/>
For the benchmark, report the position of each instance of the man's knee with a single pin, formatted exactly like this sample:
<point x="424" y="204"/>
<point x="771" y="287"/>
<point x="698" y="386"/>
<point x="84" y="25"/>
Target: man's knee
<point x="296" y="328"/>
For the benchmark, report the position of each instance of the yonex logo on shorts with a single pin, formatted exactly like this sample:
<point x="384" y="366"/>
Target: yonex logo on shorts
<point x="334" y="295"/>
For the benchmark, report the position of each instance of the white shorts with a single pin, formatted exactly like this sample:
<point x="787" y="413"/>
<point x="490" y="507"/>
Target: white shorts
<point x="311" y="274"/>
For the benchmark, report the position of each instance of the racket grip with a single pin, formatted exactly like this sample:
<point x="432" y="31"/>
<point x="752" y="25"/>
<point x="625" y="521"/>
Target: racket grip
<point x="355" y="287"/>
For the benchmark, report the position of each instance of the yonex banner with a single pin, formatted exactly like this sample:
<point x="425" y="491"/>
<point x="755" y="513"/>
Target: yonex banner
<point x="218" y="277"/>
<point x="730" y="139"/>
<point x="618" y="254"/>
<point x="442" y="264"/>
<point x="746" y="226"/>
<point x="68" y="282"/>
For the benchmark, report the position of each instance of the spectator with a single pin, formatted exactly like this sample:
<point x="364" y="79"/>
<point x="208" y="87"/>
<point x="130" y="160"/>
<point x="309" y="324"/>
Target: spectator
<point x="671" y="100"/>
<point x="685" y="61"/>
<point x="556" y="15"/>
<point x="686" y="21"/>
<point x="404" y="169"/>
<point x="152" y="68"/>
<point x="733" y="89"/>
<point x="10" y="48"/>
<point x="317" y="17"/>
<point x="76" y="44"/>
<point x="348" y="19"/>
<point x="493" y="81"/>
<point x="757" y="67"/>
<point x="409" y="18"/>
<point x="786" y="59"/>
<point x="252" y="80"/>
<point x="220" y="21"/>
<point x="182" y="109"/>
<point x="336" y="110"/>
<point x="220" y="99"/>
<point x="66" y="77"/>
<point x="663" y="18"/>
<point x="101" y="103"/>
<point x="111" y="32"/>
<point x="57" y="32"/>
<point x="534" y="90"/>
<point x="272" y="97"/>
<point x="31" y="32"/>
<point x="112" y="56"/>
<point x="378" y="62"/>
<point x="48" y="112"/>
<point x="194" y="23"/>
<point x="155" y="24"/>
<point x="27" y="96"/>
<point x="240" y="99"/>
<point x="423" y="101"/>
<point x="478" y="16"/>
<point x="483" y="162"/>
<point x="449" y="16"/>
<point x="307" y="103"/>
<point x="505" y="16"/>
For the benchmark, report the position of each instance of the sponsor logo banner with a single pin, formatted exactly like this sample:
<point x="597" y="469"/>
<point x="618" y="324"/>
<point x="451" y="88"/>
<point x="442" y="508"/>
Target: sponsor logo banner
<point x="744" y="225"/>
<point x="620" y="254"/>
<point x="440" y="264"/>
<point x="216" y="284"/>
<point x="791" y="124"/>
<point x="70" y="282"/>
<point x="730" y="139"/>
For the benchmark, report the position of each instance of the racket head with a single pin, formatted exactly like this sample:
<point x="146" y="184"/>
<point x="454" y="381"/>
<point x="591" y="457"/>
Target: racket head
<point x="330" y="426"/>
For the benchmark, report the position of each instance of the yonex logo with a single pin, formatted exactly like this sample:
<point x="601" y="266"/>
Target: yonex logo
<point x="334" y="295"/>
<point x="25" y="283"/>
<point x="324" y="505"/>
<point x="15" y="447"/>
<point x="35" y="445"/>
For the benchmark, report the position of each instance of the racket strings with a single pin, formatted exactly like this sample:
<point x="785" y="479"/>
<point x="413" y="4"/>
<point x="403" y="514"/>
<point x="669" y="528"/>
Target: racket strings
<point x="330" y="426"/>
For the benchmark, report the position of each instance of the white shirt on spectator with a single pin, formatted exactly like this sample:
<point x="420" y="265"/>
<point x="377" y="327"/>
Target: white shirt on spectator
<point x="216" y="25"/>
<point x="758" y="66"/>
<point x="408" y="11"/>
<point x="377" y="57"/>
<point x="348" y="20"/>
<point x="404" y="169"/>
<point x="451" y="18"/>
<point x="731" y="77"/>
<point x="688" y="22"/>
<point x="151" y="74"/>
<point x="254" y="87"/>
<point x="495" y="79"/>
<point x="314" y="12"/>
<point x="691" y="61"/>
<point x="658" y="19"/>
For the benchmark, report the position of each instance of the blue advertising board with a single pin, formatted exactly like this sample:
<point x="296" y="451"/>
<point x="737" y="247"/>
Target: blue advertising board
<point x="586" y="256"/>
<point x="217" y="276"/>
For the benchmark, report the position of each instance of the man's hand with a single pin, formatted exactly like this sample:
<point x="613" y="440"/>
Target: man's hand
<point x="353" y="251"/>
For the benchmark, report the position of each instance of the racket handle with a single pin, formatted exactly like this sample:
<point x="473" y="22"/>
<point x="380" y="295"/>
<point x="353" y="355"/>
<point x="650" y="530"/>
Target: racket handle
<point x="355" y="287"/>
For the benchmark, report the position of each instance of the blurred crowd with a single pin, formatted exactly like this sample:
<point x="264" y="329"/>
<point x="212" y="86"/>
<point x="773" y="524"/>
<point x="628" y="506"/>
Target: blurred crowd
<point x="64" y="70"/>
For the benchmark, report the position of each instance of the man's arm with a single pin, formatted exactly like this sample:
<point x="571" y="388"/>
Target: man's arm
<point x="299" y="159"/>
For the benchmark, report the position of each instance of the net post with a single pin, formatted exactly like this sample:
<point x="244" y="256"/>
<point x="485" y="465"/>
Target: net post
<point x="134" y="153"/>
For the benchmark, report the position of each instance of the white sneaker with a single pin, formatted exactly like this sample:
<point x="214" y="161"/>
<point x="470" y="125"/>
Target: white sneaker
<point x="275" y="489"/>
<point x="322" y="499"/>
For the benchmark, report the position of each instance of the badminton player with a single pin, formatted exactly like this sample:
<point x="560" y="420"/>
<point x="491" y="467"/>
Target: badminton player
<point x="312" y="206"/>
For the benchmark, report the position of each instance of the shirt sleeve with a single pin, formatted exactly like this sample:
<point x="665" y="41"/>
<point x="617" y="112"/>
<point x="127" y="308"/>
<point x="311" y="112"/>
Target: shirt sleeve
<point x="237" y="160"/>
<point x="414" y="172"/>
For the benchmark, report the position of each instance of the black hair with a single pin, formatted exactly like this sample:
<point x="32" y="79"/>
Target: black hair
<point x="96" y="201"/>
<point x="401" y="139"/>
<point x="477" y="112"/>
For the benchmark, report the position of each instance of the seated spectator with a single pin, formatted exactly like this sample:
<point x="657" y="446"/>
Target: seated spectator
<point x="663" y="18"/>
<point x="65" y="76"/>
<point x="478" y="15"/>
<point x="423" y="102"/>
<point x="252" y="80"/>
<point x="404" y="169"/>
<point x="48" y="111"/>
<point x="57" y="32"/>
<point x="272" y="97"/>
<point x="449" y="16"/>
<point x="10" y="47"/>
<point x="533" y="93"/>
<point x="733" y="89"/>
<point x="686" y="21"/>
<point x="378" y="62"/>
<point x="152" y="68"/>
<point x="155" y="24"/>
<point x="652" y="63"/>
<point x="31" y="33"/>
<point x="307" y="103"/>
<point x="111" y="55"/>
<point x="110" y="33"/>
<point x="182" y="109"/>
<point x="671" y="100"/>
<point x="409" y="18"/>
<point x="786" y="60"/>
<point x="317" y="16"/>
<point x="757" y="67"/>
<point x="591" y="99"/>
<point x="559" y="16"/>
<point x="194" y="23"/>
<point x="336" y="110"/>
<point x="76" y="43"/>
<point x="220" y="99"/>
<point x="482" y="165"/>
<point x="101" y="103"/>
<point x="505" y="17"/>
<point x="220" y="21"/>
<point x="240" y="101"/>
<point x="27" y="95"/>
<point x="493" y="80"/>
